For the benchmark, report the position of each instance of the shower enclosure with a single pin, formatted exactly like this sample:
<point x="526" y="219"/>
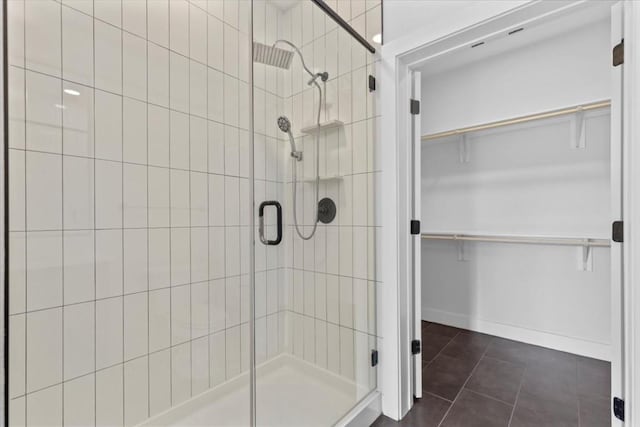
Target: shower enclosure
<point x="191" y="212"/>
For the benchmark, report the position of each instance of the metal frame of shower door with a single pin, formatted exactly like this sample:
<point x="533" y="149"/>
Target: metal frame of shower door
<point x="5" y="211"/>
<point x="399" y="58"/>
<point x="328" y="10"/>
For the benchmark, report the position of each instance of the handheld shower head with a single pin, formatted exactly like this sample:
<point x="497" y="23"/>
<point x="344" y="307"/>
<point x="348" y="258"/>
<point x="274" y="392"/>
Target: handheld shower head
<point x="284" y="124"/>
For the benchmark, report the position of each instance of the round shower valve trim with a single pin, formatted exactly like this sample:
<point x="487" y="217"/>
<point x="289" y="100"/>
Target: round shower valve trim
<point x="326" y="210"/>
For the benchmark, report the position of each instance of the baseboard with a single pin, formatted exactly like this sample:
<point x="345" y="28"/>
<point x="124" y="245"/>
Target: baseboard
<point x="529" y="336"/>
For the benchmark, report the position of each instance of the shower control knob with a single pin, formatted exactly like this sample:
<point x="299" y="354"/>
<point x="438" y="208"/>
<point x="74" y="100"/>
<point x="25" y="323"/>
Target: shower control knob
<point x="326" y="210"/>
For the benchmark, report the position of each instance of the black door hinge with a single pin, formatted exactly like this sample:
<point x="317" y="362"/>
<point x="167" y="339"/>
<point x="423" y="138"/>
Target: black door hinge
<point x="415" y="226"/>
<point x="617" y="231"/>
<point x="415" y="107"/>
<point x="374" y="357"/>
<point x="415" y="347"/>
<point x="372" y="83"/>
<point x="618" y="54"/>
<point x="618" y="408"/>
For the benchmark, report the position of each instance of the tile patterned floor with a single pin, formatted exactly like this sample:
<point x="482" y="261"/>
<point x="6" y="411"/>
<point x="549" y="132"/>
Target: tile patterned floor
<point x="476" y="380"/>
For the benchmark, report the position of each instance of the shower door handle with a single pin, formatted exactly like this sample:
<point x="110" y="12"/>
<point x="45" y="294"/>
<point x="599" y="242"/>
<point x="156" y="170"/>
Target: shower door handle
<point x="261" y="222"/>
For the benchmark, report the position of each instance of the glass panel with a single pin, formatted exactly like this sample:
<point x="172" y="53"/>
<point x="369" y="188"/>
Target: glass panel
<point x="315" y="291"/>
<point x="129" y="207"/>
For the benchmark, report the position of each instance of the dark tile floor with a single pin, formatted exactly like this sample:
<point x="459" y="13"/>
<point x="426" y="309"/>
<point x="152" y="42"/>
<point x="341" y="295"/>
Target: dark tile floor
<point x="476" y="380"/>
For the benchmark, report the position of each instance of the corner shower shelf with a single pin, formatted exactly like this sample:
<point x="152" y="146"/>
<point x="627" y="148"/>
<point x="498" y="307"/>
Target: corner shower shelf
<point x="323" y="126"/>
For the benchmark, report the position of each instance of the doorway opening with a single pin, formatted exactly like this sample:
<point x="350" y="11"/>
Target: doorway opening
<point x="517" y="180"/>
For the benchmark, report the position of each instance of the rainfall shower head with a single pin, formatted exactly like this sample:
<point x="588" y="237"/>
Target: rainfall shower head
<point x="271" y="55"/>
<point x="284" y="124"/>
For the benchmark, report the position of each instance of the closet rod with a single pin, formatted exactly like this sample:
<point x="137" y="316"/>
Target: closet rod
<point x="521" y="119"/>
<point x="534" y="240"/>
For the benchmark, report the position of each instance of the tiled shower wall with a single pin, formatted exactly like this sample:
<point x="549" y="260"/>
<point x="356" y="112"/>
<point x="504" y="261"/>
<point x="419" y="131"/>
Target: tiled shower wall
<point x="331" y="286"/>
<point x="129" y="212"/>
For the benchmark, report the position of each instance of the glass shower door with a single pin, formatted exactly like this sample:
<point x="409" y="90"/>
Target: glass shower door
<point x="129" y="213"/>
<point x="313" y="177"/>
<point x="144" y="149"/>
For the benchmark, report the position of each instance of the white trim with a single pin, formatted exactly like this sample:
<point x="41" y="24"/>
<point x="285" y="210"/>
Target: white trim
<point x="579" y="346"/>
<point x="631" y="210"/>
<point x="389" y="322"/>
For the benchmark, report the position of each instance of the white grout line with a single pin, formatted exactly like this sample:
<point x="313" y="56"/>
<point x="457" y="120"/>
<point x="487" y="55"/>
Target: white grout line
<point x="95" y="274"/>
<point x="62" y="311"/>
<point x="124" y="312"/>
<point x="26" y="244"/>
<point x="171" y="402"/>
<point x="146" y="50"/>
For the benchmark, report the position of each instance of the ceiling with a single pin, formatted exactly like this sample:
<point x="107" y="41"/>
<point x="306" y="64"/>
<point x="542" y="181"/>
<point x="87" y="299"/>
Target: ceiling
<point x="504" y="42"/>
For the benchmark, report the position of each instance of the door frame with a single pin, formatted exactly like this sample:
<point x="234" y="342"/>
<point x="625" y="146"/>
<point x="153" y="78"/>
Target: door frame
<point x="399" y="58"/>
<point x="631" y="210"/>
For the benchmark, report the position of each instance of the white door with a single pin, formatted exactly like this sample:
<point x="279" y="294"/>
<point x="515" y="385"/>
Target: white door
<point x="617" y="314"/>
<point x="416" y="239"/>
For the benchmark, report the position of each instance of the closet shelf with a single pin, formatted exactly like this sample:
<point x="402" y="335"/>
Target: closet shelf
<point x="323" y="126"/>
<point x="521" y="119"/>
<point x="526" y="239"/>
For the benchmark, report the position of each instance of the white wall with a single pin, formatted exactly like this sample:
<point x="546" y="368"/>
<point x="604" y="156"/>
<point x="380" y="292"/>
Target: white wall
<point x="525" y="179"/>
<point x="522" y="292"/>
<point x="541" y="76"/>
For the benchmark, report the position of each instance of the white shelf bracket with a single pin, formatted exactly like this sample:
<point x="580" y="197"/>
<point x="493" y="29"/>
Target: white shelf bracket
<point x="463" y="148"/>
<point x="577" y="130"/>
<point x="585" y="258"/>
<point x="462" y="251"/>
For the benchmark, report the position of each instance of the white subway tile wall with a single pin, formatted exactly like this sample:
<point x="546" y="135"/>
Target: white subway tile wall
<point x="129" y="202"/>
<point x="126" y="190"/>
<point x="330" y="295"/>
